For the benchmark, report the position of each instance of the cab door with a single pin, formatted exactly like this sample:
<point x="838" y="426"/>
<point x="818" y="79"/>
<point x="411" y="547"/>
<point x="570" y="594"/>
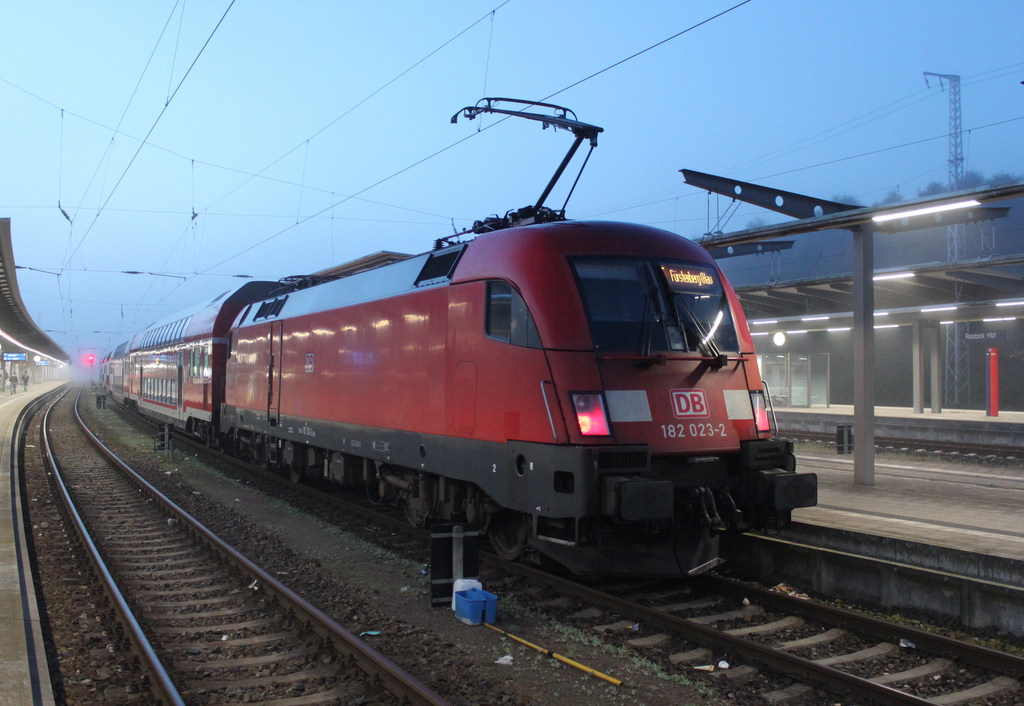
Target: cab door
<point x="274" y="363"/>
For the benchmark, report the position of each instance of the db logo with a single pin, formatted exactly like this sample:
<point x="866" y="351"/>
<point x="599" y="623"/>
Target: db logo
<point x="689" y="403"/>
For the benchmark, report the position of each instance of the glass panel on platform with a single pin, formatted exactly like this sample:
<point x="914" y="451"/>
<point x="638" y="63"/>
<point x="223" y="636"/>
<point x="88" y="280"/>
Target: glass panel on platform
<point x="797" y="380"/>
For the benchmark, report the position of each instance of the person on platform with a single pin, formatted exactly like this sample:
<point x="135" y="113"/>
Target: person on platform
<point x="14" y="383"/>
<point x="24" y="379"/>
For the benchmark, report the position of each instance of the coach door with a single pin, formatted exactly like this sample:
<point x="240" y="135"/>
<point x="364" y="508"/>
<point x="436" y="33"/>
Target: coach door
<point x="276" y="340"/>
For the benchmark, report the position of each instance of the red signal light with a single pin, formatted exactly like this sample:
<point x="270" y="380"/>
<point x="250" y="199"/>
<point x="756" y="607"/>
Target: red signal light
<point x="89" y="359"/>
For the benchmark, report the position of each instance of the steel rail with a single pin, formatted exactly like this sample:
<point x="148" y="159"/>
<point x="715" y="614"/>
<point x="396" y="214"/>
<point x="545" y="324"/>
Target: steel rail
<point x="392" y="677"/>
<point x="160" y="682"/>
<point x="881" y="442"/>
<point x="831" y="679"/>
<point x="977" y="655"/>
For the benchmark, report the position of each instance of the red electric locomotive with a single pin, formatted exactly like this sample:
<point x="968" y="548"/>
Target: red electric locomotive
<point x="587" y="391"/>
<point x="584" y="391"/>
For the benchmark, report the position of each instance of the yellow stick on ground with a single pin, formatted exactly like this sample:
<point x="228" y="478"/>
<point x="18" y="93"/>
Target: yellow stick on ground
<point x="560" y="658"/>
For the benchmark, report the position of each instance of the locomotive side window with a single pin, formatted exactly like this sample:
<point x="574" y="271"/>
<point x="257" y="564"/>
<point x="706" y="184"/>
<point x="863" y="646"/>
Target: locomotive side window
<point x="643" y="307"/>
<point x="499" y="311"/>
<point x="508" y="318"/>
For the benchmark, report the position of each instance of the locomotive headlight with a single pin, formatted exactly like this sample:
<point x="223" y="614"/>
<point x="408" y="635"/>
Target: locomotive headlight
<point x="590" y="413"/>
<point x="760" y="405"/>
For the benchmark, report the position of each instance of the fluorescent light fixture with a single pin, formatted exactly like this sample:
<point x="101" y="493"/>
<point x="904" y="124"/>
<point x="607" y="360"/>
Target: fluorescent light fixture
<point x="887" y="326"/>
<point x="881" y="313"/>
<point x="798" y="331"/>
<point x="938" y="308"/>
<point x="893" y="275"/>
<point x="814" y="318"/>
<point x="765" y="321"/>
<point x="1003" y="318"/>
<point x="924" y="211"/>
<point x="947" y="322"/>
<point x="761" y="333"/>
<point x="1009" y="303"/>
<point x="839" y="328"/>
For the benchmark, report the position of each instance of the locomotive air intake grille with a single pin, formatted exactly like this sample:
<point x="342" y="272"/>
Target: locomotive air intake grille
<point x="619" y="460"/>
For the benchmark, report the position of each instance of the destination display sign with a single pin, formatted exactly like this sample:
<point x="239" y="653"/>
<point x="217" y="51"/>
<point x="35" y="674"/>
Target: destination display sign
<point x="14" y="356"/>
<point x="689" y="279"/>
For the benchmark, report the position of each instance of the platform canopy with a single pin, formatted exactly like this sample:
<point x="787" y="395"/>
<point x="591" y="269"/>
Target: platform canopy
<point x="803" y="267"/>
<point x="19" y="332"/>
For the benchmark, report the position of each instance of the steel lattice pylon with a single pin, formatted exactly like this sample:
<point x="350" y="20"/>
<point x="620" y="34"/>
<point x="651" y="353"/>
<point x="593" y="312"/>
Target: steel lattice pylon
<point x="958" y="372"/>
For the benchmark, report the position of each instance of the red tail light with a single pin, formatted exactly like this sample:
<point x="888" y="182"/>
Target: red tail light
<point x="590" y="413"/>
<point x="760" y="405"/>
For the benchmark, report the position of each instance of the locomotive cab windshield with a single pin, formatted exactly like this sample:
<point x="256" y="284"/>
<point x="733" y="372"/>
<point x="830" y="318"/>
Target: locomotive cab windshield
<point x="646" y="306"/>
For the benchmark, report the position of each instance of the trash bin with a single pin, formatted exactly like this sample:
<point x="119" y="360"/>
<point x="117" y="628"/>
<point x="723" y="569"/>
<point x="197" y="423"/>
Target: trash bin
<point x="844" y="438"/>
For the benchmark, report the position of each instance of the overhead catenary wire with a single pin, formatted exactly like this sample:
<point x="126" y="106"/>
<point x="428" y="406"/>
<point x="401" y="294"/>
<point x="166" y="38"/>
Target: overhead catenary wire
<point x="151" y="129"/>
<point x="60" y="170"/>
<point x="855" y="123"/>
<point x="861" y="121"/>
<point x="116" y="130"/>
<point x="488" y="127"/>
<point x="306" y="142"/>
<point x="200" y="162"/>
<point x="361" y="102"/>
<point x="886" y="149"/>
<point x="644" y="51"/>
<point x="334" y="199"/>
<point x="177" y="43"/>
<point x="847" y="158"/>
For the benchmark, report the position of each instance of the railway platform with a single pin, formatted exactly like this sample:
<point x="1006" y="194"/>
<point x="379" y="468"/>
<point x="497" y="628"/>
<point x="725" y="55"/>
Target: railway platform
<point x="958" y="506"/>
<point x="23" y="669"/>
<point x="945" y="538"/>
<point x="951" y="426"/>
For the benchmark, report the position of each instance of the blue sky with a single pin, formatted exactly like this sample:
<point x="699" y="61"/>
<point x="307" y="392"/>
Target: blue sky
<point x="116" y="111"/>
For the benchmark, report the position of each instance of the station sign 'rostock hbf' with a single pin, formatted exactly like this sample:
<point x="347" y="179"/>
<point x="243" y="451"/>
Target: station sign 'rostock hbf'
<point x="986" y="336"/>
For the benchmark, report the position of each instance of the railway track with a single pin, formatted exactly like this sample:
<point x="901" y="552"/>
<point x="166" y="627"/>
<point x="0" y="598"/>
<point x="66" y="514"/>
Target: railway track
<point x="803" y="644"/>
<point x="795" y="646"/>
<point x="953" y="449"/>
<point x="209" y="625"/>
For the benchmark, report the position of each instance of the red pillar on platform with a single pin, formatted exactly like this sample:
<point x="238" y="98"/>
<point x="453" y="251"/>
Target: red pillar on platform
<point x="992" y="382"/>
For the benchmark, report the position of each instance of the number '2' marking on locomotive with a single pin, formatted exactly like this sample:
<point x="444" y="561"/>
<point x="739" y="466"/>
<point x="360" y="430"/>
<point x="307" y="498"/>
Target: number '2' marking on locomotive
<point x="689" y="403"/>
<point x="679" y="431"/>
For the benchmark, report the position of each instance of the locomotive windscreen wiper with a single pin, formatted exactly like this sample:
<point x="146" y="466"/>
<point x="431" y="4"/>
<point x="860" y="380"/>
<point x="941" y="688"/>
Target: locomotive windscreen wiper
<point x="706" y="338"/>
<point x="645" y="321"/>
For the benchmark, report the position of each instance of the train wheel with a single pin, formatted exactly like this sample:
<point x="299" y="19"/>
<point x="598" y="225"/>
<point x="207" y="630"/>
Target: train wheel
<point x="413" y="517"/>
<point x="508" y="531"/>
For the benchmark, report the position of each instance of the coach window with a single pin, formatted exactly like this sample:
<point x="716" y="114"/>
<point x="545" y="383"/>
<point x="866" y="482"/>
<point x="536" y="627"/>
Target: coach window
<point x="508" y="318"/>
<point x="194" y="362"/>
